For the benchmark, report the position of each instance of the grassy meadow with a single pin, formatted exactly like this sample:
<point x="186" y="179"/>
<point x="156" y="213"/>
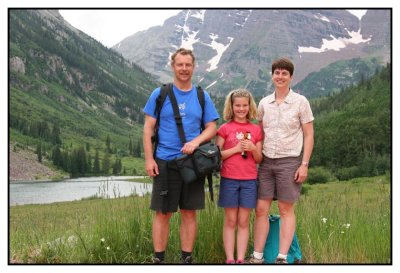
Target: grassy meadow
<point x="347" y="222"/>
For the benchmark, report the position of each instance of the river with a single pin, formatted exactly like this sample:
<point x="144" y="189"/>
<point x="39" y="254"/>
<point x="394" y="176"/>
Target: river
<point x="28" y="192"/>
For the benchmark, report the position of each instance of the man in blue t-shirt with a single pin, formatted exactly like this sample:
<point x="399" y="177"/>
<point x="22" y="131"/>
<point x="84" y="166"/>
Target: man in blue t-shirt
<point x="189" y="197"/>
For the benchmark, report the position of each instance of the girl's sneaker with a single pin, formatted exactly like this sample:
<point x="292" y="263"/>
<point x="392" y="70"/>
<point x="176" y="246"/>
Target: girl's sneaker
<point x="239" y="262"/>
<point x="254" y="260"/>
<point x="230" y="261"/>
<point x="281" y="261"/>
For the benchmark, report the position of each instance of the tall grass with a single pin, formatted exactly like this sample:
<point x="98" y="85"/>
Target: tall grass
<point x="338" y="222"/>
<point x="346" y="222"/>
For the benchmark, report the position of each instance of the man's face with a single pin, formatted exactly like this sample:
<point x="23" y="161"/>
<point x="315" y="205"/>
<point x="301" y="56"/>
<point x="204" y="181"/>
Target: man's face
<point x="183" y="67"/>
<point x="281" y="78"/>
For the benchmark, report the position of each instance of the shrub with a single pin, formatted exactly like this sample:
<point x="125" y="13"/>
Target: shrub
<point x="348" y="173"/>
<point x="319" y="175"/>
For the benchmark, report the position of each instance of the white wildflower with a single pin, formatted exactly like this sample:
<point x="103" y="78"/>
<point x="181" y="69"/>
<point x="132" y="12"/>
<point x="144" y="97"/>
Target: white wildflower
<point x="108" y="248"/>
<point x="324" y="220"/>
<point x="102" y="240"/>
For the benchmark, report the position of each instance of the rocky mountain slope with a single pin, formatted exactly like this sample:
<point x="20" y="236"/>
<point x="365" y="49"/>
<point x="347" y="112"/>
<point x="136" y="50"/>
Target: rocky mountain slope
<point x="235" y="47"/>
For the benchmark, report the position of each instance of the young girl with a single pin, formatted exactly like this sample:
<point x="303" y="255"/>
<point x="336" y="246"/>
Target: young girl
<point x="240" y="142"/>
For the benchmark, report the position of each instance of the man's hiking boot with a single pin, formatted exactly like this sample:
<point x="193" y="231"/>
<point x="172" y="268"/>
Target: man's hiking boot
<point x="157" y="261"/>
<point x="187" y="260"/>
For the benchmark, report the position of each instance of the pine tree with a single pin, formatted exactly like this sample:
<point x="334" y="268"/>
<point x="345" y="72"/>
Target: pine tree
<point x="117" y="166"/>
<point x="56" y="156"/>
<point x="108" y="144"/>
<point x="55" y="135"/>
<point x="138" y="150"/>
<point x="89" y="164"/>
<point x="39" y="152"/>
<point x="106" y="164"/>
<point x="130" y="147"/>
<point x="96" y="163"/>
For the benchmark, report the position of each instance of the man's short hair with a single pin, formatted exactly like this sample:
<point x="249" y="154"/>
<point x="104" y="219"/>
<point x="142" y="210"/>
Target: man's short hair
<point x="182" y="51"/>
<point x="283" y="63"/>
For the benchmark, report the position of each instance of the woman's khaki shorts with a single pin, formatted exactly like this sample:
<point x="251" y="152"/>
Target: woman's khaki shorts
<point x="276" y="179"/>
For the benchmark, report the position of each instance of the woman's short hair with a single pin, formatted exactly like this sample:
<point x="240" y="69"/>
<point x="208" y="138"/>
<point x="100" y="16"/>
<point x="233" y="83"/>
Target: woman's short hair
<point x="283" y="63"/>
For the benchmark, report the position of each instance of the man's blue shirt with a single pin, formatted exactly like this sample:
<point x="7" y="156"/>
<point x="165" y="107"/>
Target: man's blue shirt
<point x="169" y="145"/>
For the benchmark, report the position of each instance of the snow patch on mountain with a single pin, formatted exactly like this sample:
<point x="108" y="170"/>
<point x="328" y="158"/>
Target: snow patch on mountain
<point x="245" y="19"/>
<point x="321" y="17"/>
<point x="220" y="48"/>
<point x="336" y="44"/>
<point x="199" y="14"/>
<point x="188" y="38"/>
<point x="359" y="13"/>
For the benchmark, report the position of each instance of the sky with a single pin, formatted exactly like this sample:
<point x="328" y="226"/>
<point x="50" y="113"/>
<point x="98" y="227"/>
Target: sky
<point x="106" y="25"/>
<point x="111" y="26"/>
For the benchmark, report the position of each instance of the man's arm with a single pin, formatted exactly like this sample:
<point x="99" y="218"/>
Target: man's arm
<point x="148" y="131"/>
<point x="209" y="132"/>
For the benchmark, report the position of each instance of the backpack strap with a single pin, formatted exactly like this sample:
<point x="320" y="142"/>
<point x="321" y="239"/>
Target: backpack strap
<point x="177" y="115"/>
<point x="164" y="91"/>
<point x="157" y="111"/>
<point x="202" y="101"/>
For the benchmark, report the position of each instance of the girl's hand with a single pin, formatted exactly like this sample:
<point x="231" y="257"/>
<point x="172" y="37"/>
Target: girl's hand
<point x="238" y="148"/>
<point x="247" y="145"/>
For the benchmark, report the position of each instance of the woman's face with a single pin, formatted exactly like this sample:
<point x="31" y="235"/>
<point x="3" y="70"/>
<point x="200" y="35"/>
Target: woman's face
<point x="281" y="78"/>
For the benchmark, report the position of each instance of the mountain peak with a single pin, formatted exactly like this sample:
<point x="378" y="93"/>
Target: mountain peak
<point x="235" y="47"/>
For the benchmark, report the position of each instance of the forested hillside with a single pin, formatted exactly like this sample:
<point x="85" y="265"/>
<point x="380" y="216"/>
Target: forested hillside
<point x="72" y="99"/>
<point x="353" y="128"/>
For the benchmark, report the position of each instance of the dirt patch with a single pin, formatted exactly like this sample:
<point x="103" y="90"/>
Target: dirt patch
<point x="23" y="165"/>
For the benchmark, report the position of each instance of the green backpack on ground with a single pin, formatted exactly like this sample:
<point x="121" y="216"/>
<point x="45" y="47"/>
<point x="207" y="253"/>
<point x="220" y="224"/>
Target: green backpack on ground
<point x="271" y="248"/>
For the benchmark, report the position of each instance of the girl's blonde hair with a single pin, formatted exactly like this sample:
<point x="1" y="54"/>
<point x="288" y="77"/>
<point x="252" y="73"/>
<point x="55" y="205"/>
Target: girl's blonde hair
<point x="239" y="93"/>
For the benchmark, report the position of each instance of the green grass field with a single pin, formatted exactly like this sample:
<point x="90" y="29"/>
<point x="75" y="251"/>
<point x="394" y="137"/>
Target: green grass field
<point x="337" y="223"/>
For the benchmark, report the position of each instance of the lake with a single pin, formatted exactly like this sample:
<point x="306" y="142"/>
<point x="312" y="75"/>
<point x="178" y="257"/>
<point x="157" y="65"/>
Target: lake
<point x="28" y="192"/>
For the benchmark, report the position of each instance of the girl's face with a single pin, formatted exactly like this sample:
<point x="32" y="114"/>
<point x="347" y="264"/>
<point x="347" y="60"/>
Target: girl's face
<point x="240" y="108"/>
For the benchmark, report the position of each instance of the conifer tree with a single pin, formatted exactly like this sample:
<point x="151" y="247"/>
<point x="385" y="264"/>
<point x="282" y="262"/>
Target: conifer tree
<point x="106" y="164"/>
<point x="108" y="144"/>
<point x="138" y="150"/>
<point x="130" y="147"/>
<point x="56" y="156"/>
<point x="39" y="152"/>
<point x="55" y="135"/>
<point x="96" y="163"/>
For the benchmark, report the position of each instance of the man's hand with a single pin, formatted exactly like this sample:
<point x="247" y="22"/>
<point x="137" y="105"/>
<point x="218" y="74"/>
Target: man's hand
<point x="151" y="167"/>
<point x="189" y="147"/>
